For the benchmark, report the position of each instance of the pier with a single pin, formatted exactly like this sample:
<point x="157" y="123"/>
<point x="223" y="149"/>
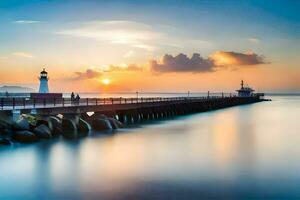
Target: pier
<point x="29" y="119"/>
<point x="124" y="109"/>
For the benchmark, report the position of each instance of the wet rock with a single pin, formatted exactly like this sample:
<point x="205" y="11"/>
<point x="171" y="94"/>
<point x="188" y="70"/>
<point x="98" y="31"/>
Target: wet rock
<point x="115" y="124"/>
<point x="83" y="126"/>
<point x="21" y="124"/>
<point x="119" y="124"/>
<point x="101" y="125"/>
<point x="42" y="132"/>
<point x="69" y="129"/>
<point x="41" y="121"/>
<point x="6" y="132"/>
<point x="5" y="125"/>
<point x="99" y="116"/>
<point x="55" y="125"/>
<point x="85" y="116"/>
<point x="5" y="141"/>
<point x="68" y="125"/>
<point x="24" y="137"/>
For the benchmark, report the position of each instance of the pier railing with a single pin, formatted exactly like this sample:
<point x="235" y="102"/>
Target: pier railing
<point x="29" y="103"/>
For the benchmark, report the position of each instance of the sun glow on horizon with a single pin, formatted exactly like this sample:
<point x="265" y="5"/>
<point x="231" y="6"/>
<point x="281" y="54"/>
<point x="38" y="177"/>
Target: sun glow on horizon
<point x="106" y="81"/>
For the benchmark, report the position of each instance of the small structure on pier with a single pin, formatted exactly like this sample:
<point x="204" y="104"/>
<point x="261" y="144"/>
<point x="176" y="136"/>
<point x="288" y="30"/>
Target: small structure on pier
<point x="44" y="82"/>
<point x="245" y="91"/>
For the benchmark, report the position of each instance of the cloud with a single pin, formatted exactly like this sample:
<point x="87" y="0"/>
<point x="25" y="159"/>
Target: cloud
<point x="144" y="46"/>
<point x="226" y="58"/>
<point x="182" y="63"/>
<point x="124" y="67"/>
<point x="88" y="74"/>
<point x="196" y="63"/>
<point x="130" y="33"/>
<point x="26" y="22"/>
<point x="254" y="40"/>
<point x="135" y="35"/>
<point x="23" y="54"/>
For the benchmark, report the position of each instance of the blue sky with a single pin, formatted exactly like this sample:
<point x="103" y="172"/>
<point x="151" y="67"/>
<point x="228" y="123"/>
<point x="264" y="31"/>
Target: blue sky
<point x="55" y="32"/>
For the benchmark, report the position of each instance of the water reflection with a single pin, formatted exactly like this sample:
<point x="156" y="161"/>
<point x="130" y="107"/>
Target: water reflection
<point x="246" y="151"/>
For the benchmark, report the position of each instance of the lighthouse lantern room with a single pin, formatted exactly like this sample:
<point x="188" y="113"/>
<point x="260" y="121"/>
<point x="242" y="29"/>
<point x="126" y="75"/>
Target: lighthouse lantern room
<point x="44" y="82"/>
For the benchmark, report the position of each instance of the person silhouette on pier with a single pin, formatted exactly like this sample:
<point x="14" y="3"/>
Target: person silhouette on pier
<point x="72" y="97"/>
<point x="77" y="99"/>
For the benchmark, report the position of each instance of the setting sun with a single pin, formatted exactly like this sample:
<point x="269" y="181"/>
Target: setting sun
<point x="106" y="81"/>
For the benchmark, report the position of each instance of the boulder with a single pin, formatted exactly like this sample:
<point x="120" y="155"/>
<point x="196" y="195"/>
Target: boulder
<point x="5" y="125"/>
<point x="55" y="126"/>
<point x="21" y="124"/>
<point x="99" y="116"/>
<point x="101" y="125"/>
<point x="30" y="119"/>
<point x="83" y="126"/>
<point x="5" y="141"/>
<point x="119" y="124"/>
<point x="24" y="137"/>
<point x="42" y="132"/>
<point x="6" y="132"/>
<point x="115" y="124"/>
<point x="41" y="121"/>
<point x="69" y="128"/>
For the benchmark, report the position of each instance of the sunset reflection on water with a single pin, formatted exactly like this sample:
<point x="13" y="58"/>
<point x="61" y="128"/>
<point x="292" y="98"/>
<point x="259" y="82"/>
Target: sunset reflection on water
<point x="237" y="151"/>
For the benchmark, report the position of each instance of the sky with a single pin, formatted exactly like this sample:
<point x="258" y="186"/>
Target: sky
<point x="151" y="45"/>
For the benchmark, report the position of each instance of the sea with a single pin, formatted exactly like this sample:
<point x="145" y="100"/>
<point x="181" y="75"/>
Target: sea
<point x="243" y="152"/>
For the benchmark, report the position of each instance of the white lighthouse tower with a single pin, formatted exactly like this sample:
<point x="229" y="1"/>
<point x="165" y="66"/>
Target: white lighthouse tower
<point x="44" y="82"/>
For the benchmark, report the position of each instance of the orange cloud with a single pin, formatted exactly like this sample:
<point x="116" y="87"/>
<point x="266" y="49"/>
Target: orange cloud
<point x="88" y="74"/>
<point x="124" y="67"/>
<point x="224" y="58"/>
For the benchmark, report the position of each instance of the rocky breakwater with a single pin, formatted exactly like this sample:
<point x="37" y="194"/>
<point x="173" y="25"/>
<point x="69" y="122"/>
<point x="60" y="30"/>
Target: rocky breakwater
<point x="29" y="129"/>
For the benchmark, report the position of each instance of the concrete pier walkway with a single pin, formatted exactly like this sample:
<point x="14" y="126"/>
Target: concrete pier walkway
<point x="132" y="107"/>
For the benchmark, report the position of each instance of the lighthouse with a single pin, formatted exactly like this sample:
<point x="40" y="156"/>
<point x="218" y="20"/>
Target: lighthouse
<point x="44" y="82"/>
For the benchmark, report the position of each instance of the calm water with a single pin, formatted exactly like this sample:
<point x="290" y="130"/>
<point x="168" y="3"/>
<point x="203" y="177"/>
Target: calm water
<point x="250" y="151"/>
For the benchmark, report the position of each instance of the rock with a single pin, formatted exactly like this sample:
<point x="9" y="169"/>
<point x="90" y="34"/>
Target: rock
<point x="112" y="123"/>
<point x="55" y="126"/>
<point x="69" y="128"/>
<point x="21" y="124"/>
<point x="119" y="124"/>
<point x="5" y="125"/>
<point x="25" y="137"/>
<point x="42" y="132"/>
<point x="99" y="116"/>
<point x="30" y="119"/>
<point x="68" y="125"/>
<point x="6" y="132"/>
<point x="115" y="124"/>
<point x="83" y="126"/>
<point x="56" y="131"/>
<point x="5" y="141"/>
<point x="41" y="121"/>
<point x="101" y="125"/>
